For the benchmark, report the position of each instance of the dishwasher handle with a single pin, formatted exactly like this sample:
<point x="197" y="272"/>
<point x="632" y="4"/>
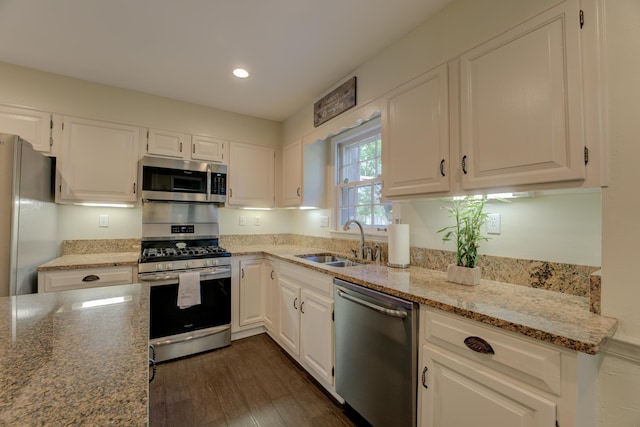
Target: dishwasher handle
<point x="386" y="311"/>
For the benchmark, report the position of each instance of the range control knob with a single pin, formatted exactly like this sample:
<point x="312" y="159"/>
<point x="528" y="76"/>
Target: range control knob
<point x="168" y="266"/>
<point x="207" y="262"/>
<point x="158" y="266"/>
<point x="189" y="264"/>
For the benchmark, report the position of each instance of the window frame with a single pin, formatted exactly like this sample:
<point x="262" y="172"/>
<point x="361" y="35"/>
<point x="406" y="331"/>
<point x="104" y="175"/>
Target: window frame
<point x="352" y="136"/>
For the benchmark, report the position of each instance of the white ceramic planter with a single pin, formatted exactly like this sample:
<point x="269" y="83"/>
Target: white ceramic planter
<point x="463" y="275"/>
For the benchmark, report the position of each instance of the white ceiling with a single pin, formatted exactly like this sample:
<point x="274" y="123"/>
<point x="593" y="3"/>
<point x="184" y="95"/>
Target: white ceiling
<point x="296" y="50"/>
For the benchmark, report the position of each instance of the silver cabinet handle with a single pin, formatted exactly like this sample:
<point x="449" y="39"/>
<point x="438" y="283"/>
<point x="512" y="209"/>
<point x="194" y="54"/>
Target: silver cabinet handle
<point x="386" y="311"/>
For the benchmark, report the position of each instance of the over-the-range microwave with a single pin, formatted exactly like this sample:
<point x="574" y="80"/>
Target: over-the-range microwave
<point x="182" y="180"/>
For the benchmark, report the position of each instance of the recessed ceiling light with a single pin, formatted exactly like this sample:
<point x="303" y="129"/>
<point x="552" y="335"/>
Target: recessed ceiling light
<point x="241" y="73"/>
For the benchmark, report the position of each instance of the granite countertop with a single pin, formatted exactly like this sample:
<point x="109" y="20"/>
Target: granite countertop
<point x="65" y="364"/>
<point x="552" y="317"/>
<point x="71" y="262"/>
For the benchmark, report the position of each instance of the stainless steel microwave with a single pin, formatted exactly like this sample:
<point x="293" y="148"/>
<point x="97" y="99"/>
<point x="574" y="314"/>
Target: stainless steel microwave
<point x="182" y="180"/>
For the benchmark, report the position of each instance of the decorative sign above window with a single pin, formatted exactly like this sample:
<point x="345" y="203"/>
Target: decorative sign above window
<point x="335" y="103"/>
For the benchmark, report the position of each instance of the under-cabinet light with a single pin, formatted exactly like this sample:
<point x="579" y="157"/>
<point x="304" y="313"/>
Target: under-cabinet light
<point x="104" y="205"/>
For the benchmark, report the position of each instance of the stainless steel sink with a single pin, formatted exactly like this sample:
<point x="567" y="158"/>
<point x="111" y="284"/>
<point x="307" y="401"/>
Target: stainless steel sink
<point x="329" y="259"/>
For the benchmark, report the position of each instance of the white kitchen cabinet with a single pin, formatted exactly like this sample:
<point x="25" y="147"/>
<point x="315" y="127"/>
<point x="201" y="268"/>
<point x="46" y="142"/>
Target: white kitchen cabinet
<point x="251" y="176"/>
<point x="304" y="174"/>
<point x="415" y="138"/>
<point x="306" y="319"/>
<point x="31" y="125"/>
<point x="179" y="145"/>
<point x="81" y="278"/>
<point x="522" y="104"/>
<point x="252" y="290"/>
<point x="472" y="374"/>
<point x="167" y="143"/>
<point x="289" y="315"/>
<point x="271" y="297"/>
<point x="208" y="149"/>
<point x="97" y="162"/>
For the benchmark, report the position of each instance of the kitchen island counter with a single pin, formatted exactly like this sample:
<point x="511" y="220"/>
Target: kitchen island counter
<point x="552" y="317"/>
<point x="75" y="357"/>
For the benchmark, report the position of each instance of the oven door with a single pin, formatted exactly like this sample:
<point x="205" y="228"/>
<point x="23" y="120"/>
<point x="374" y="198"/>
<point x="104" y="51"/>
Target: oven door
<point x="167" y="319"/>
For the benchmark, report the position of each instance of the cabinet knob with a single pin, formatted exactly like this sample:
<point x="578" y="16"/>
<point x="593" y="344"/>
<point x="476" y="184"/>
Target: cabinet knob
<point x="464" y="164"/>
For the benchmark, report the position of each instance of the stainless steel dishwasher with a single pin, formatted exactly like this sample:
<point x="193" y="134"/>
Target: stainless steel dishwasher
<point x="376" y="354"/>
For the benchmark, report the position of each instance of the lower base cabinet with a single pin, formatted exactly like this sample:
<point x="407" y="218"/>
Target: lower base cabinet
<point x="306" y="319"/>
<point x="475" y="375"/>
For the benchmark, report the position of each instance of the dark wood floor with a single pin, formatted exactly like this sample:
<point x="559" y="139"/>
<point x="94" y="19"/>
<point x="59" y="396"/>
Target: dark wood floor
<point x="250" y="383"/>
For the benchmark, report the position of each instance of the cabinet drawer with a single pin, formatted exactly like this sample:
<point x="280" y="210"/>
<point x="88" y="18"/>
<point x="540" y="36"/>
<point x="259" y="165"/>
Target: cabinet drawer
<point x="319" y="282"/>
<point x="84" y="278"/>
<point x="532" y="363"/>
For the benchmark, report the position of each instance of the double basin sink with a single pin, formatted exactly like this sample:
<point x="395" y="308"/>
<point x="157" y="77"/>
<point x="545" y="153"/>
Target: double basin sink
<point x="329" y="259"/>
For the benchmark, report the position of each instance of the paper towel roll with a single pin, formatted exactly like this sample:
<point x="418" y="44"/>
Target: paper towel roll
<point x="398" y="245"/>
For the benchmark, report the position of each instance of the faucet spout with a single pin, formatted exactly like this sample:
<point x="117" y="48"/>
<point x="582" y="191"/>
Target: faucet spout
<point x="346" y="227"/>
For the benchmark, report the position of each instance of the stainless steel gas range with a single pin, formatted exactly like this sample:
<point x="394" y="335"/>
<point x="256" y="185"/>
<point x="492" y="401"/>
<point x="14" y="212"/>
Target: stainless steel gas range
<point x="190" y="278"/>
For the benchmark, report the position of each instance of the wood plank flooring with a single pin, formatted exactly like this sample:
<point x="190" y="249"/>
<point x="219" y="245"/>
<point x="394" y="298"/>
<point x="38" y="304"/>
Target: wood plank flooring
<point x="250" y="383"/>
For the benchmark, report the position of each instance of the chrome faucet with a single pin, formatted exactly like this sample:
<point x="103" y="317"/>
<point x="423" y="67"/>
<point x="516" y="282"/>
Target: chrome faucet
<point x="363" y="250"/>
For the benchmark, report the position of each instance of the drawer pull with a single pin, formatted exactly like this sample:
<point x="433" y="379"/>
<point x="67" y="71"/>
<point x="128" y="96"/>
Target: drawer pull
<point x="90" y="278"/>
<point x="478" y="345"/>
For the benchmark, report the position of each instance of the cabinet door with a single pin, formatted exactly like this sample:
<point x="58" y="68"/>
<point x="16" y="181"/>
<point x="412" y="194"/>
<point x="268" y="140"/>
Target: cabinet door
<point x="290" y="315"/>
<point x="98" y="162"/>
<point x="462" y="394"/>
<point x="292" y="174"/>
<point x="208" y="149"/>
<point x="251" y="175"/>
<point x="251" y="292"/>
<point x="166" y="143"/>
<point x="30" y="125"/>
<point x="271" y="296"/>
<point x="316" y="333"/>
<point x="521" y="104"/>
<point x="416" y="137"/>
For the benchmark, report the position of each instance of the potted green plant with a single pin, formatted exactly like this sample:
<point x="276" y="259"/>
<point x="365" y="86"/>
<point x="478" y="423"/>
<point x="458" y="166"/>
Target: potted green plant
<point x="469" y="220"/>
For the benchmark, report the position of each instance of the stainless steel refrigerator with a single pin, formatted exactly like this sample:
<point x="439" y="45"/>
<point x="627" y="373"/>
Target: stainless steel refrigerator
<point x="28" y="215"/>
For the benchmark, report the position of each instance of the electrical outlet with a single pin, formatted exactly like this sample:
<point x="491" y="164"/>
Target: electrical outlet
<point x="103" y="220"/>
<point x="256" y="220"/>
<point x="324" y="221"/>
<point x="493" y="223"/>
<point x="241" y="220"/>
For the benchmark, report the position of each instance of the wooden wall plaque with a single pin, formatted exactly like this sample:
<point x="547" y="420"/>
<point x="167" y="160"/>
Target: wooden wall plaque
<point x="335" y="103"/>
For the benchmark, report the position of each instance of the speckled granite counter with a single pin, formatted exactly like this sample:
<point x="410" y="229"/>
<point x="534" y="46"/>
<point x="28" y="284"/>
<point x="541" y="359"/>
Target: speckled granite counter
<point x="65" y="364"/>
<point x="69" y="262"/>
<point x="556" y="318"/>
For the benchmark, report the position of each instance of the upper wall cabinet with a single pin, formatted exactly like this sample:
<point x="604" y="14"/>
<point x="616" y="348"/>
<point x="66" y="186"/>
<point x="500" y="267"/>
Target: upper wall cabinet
<point x="97" y="162"/>
<point x="31" y="125"/>
<point x="251" y="176"/>
<point x="208" y="149"/>
<point x="416" y="137"/>
<point x="522" y="106"/>
<point x="304" y="174"/>
<point x="188" y="147"/>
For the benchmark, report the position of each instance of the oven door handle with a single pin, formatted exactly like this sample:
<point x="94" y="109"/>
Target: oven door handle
<point x="203" y="276"/>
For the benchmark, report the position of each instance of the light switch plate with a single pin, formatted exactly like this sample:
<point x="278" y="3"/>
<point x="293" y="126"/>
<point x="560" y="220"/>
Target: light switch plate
<point x="324" y="221"/>
<point x="241" y="220"/>
<point x="103" y="220"/>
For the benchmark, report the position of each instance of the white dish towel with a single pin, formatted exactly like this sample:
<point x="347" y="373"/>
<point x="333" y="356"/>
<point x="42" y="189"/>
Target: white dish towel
<point x="188" y="289"/>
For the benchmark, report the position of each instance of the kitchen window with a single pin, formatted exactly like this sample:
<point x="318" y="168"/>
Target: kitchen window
<point x="359" y="176"/>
